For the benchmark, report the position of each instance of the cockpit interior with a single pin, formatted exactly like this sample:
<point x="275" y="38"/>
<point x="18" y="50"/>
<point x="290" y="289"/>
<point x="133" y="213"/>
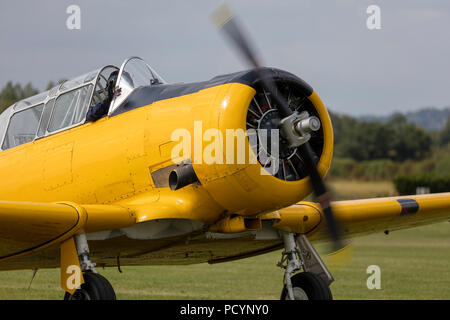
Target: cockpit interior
<point x="65" y="106"/>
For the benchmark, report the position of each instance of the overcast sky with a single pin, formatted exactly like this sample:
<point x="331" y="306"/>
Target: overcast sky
<point x="403" y="66"/>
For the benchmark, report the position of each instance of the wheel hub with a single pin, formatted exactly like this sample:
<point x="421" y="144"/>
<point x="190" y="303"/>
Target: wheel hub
<point x="299" y="294"/>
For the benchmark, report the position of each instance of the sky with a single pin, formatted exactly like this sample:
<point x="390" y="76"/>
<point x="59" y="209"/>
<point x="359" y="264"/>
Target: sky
<point x="403" y="66"/>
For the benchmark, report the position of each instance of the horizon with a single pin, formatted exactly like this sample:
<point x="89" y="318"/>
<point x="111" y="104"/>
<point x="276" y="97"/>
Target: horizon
<point x="358" y="116"/>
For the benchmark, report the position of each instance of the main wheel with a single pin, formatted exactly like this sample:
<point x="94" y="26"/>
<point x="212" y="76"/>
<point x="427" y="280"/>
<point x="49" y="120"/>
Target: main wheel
<point x="308" y="286"/>
<point x="95" y="287"/>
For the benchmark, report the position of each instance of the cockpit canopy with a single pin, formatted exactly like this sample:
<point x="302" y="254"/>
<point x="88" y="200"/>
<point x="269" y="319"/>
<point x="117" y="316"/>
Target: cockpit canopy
<point x="65" y="106"/>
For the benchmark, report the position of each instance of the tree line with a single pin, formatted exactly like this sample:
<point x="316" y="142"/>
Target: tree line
<point x="396" y="140"/>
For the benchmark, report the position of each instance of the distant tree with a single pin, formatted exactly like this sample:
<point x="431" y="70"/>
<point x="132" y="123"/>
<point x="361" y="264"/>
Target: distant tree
<point x="445" y="134"/>
<point x="28" y="91"/>
<point x="343" y="129"/>
<point x="398" y="119"/>
<point x="367" y="141"/>
<point x="50" y="85"/>
<point x="395" y="140"/>
<point x="410" y="142"/>
<point x="12" y="93"/>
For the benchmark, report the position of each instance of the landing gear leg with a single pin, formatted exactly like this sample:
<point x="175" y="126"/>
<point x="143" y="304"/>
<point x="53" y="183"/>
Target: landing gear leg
<point x="83" y="253"/>
<point x="311" y="284"/>
<point x="95" y="286"/>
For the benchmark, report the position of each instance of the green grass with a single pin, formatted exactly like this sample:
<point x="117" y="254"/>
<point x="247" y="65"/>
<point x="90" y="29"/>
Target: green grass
<point x="415" y="264"/>
<point x="356" y="189"/>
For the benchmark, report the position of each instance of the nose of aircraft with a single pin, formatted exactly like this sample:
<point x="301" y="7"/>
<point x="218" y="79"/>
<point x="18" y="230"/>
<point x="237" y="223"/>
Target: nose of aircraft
<point x="253" y="186"/>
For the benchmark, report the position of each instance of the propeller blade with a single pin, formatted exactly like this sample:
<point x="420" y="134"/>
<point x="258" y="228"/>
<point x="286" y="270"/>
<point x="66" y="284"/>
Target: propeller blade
<point x="227" y="23"/>
<point x="322" y="195"/>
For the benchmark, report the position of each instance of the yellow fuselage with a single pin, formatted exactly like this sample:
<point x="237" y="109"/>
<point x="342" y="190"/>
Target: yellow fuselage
<point x="112" y="161"/>
<point x="116" y="159"/>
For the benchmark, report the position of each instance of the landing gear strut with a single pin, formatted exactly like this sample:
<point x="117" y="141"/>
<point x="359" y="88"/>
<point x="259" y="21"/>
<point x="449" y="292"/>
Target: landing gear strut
<point x="95" y="286"/>
<point x="313" y="283"/>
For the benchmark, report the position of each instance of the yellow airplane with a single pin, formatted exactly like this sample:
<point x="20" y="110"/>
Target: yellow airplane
<point x="126" y="189"/>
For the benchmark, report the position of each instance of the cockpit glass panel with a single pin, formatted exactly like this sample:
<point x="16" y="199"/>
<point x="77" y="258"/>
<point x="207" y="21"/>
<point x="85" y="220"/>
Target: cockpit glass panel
<point x="133" y="74"/>
<point x="70" y="108"/>
<point x="73" y="83"/>
<point x="37" y="99"/>
<point x="22" y="127"/>
<point x="52" y="92"/>
<point x="100" y="93"/>
<point x="45" y="117"/>
<point x="70" y="84"/>
<point x="91" y="76"/>
<point x="66" y="105"/>
<point x="4" y="119"/>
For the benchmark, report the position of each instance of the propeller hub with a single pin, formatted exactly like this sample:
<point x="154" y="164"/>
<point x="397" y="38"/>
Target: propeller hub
<point x="296" y="128"/>
<point x="268" y="122"/>
<point x="304" y="124"/>
<point x="307" y="125"/>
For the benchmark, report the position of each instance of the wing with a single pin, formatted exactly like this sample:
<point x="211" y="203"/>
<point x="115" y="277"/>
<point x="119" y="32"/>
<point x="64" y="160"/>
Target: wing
<point x="30" y="227"/>
<point x="359" y="217"/>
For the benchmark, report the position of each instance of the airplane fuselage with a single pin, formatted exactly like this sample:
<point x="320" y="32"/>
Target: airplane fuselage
<point x="125" y="159"/>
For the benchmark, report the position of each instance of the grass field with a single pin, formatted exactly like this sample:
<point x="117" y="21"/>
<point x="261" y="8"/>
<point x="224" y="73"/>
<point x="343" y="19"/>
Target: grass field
<point x="414" y="263"/>
<point x="344" y="189"/>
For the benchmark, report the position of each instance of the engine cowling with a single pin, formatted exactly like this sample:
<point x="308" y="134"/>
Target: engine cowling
<point x="249" y="188"/>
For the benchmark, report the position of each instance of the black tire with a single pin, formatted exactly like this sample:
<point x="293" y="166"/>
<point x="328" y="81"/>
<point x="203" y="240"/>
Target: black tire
<point x="95" y="287"/>
<point x="311" y="285"/>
